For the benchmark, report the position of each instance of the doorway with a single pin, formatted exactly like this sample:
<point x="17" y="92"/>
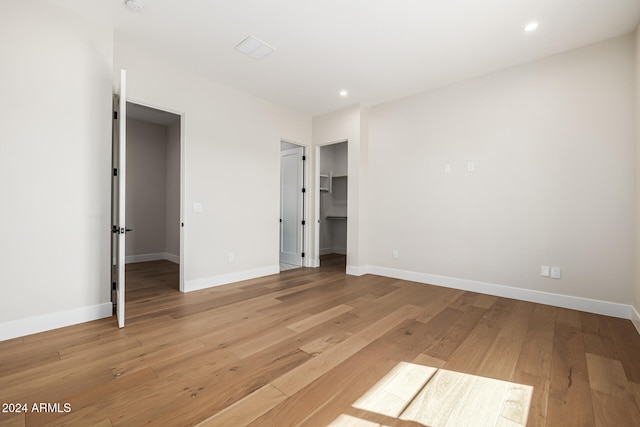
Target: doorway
<point x="292" y="206"/>
<point x="153" y="188"/>
<point x="333" y="181"/>
<point x="152" y="175"/>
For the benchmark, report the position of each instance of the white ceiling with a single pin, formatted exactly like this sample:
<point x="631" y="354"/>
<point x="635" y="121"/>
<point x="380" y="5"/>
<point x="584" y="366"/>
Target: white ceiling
<point x="378" y="50"/>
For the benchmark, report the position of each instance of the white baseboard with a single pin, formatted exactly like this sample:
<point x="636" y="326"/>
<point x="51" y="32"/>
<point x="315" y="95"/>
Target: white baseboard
<point x="358" y="271"/>
<point x="225" y="279"/>
<point x="172" y="257"/>
<point x="635" y="318"/>
<point x="47" y="322"/>
<point x="558" y="300"/>
<point x="160" y="256"/>
<point x="328" y="251"/>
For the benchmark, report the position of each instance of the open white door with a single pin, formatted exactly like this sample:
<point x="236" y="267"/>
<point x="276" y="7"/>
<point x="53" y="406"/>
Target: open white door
<point x="291" y="206"/>
<point x="118" y="190"/>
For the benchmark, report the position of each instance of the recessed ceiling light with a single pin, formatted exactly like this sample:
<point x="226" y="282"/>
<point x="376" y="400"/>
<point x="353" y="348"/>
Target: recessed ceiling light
<point x="344" y="93"/>
<point x="255" y="48"/>
<point x="134" y="5"/>
<point x="531" y="26"/>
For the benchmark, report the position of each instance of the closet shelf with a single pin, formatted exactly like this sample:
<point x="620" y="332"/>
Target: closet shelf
<point x="325" y="182"/>
<point x="335" y="217"/>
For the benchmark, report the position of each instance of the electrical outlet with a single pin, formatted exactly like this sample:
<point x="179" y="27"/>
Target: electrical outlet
<point x="545" y="271"/>
<point x="395" y="254"/>
<point x="231" y="257"/>
<point x="555" y="272"/>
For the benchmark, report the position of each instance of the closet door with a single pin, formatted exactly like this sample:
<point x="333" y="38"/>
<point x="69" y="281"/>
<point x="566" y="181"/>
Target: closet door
<point x="291" y="206"/>
<point x="118" y="193"/>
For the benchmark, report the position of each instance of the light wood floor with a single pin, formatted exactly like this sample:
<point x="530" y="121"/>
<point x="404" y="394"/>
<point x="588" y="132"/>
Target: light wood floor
<point x="311" y="346"/>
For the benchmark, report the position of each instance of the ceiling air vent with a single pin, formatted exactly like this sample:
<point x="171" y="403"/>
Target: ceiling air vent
<point x="255" y="48"/>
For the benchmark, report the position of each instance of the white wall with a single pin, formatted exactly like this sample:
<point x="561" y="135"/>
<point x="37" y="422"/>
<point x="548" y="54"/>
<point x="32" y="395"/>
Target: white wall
<point x="553" y="147"/>
<point x="55" y="177"/>
<point x="232" y="158"/>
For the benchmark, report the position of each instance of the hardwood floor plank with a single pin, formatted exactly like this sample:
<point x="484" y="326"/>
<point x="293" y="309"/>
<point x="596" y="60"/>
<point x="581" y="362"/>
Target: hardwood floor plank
<point x="12" y="420"/>
<point x="501" y="358"/>
<point x="470" y="355"/>
<point x="539" y="398"/>
<point x="569" y="393"/>
<point x="246" y="410"/>
<point x="325" y="342"/>
<point x="395" y="391"/>
<point x="614" y="411"/>
<point x="537" y="349"/>
<point x="317" y="319"/>
<point x="627" y="346"/>
<point x="444" y="344"/>
<point x="635" y="389"/>
<point x="452" y="398"/>
<point x="516" y="405"/>
<point x="607" y="376"/>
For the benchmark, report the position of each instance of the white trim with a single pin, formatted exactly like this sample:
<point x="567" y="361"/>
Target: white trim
<point x="558" y="300"/>
<point x="328" y="251"/>
<point x="224" y="279"/>
<point x="635" y="318"/>
<point x="357" y="271"/>
<point x="153" y="257"/>
<point x="172" y="257"/>
<point x="47" y="322"/>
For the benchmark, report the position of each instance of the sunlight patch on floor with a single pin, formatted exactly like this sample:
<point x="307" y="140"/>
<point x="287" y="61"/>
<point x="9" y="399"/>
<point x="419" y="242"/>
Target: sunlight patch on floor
<point x="437" y="397"/>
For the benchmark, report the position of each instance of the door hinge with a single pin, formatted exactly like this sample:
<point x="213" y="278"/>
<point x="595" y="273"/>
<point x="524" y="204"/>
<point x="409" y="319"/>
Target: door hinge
<point x="115" y="115"/>
<point x="304" y="158"/>
<point x="115" y="172"/>
<point x="302" y="254"/>
<point x="304" y="222"/>
<point x="304" y="190"/>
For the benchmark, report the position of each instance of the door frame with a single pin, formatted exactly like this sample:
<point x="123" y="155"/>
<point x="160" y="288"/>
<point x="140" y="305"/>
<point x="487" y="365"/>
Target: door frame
<point x="305" y="201"/>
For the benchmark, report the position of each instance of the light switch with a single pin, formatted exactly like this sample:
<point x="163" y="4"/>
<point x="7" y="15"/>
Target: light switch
<point x="555" y="272"/>
<point x="197" y="207"/>
<point x="447" y="167"/>
<point x="471" y="166"/>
